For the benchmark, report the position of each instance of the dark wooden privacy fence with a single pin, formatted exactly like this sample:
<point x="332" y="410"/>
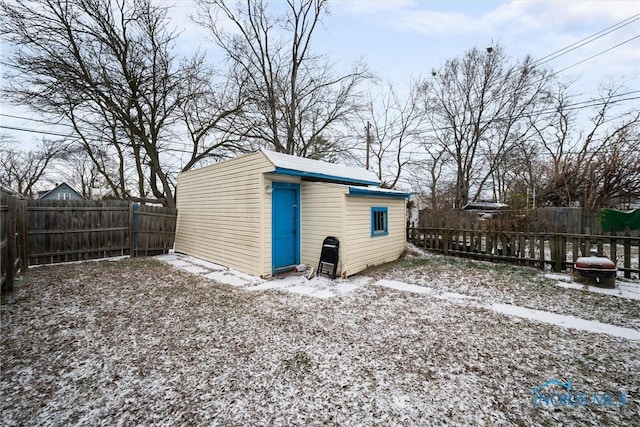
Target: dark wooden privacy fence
<point x="10" y="223"/>
<point x="559" y="251"/>
<point x="544" y="220"/>
<point x="72" y="230"/>
<point x="153" y="230"/>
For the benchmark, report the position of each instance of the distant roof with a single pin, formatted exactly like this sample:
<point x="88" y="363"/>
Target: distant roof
<point x="287" y="164"/>
<point x="484" y="205"/>
<point x="11" y="192"/>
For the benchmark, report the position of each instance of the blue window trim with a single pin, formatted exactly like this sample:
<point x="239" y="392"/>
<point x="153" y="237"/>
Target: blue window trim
<point x="374" y="211"/>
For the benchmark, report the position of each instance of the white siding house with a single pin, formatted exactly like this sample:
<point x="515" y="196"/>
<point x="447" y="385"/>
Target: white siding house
<point x="266" y="212"/>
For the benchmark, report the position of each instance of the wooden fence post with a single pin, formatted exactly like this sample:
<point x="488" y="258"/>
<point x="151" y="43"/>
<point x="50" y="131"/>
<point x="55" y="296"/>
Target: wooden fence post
<point x="556" y="253"/>
<point x="587" y="247"/>
<point x="532" y="247"/>
<point x="627" y="253"/>
<point x="563" y="252"/>
<point x="11" y="244"/>
<point x="24" y="236"/>
<point x="613" y="247"/>
<point x="132" y="249"/>
<point x="445" y="241"/>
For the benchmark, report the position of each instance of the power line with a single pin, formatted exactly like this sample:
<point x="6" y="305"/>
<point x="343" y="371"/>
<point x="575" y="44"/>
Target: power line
<point x="43" y="132"/>
<point x="34" y="120"/>
<point x="597" y="54"/>
<point x="585" y="40"/>
<point x="588" y="104"/>
<point x="568" y="107"/>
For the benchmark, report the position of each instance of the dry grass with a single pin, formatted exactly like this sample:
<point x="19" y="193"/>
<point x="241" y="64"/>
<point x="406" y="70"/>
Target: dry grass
<point x="138" y="342"/>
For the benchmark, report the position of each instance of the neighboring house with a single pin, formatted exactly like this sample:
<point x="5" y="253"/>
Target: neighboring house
<point x="60" y="192"/>
<point x="266" y="212"/>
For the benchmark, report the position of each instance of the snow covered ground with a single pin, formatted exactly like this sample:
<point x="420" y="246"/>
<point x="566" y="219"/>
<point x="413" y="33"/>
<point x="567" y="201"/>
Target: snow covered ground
<point x="323" y="287"/>
<point x="427" y="340"/>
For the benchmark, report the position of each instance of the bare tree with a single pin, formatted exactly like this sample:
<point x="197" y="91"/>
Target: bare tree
<point x="108" y="69"/>
<point x="590" y="168"/>
<point x="396" y="126"/>
<point x="434" y="167"/>
<point x="210" y="111"/>
<point x="23" y="170"/>
<point x="293" y="95"/>
<point x="476" y="106"/>
<point x="78" y="170"/>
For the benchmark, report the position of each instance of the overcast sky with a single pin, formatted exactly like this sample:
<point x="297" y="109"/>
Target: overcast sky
<point x="404" y="39"/>
<point x="400" y="39"/>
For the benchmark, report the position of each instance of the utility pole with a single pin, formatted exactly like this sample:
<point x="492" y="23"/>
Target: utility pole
<point x="368" y="133"/>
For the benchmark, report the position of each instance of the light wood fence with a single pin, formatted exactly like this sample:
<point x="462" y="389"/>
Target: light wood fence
<point x="559" y="251"/>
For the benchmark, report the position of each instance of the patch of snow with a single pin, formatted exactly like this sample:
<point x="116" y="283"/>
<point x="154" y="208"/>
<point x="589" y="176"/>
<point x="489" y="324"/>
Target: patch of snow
<point x="322" y="287"/>
<point x="622" y="290"/>
<point x="417" y="289"/>
<point x="571" y="322"/>
<point x="401" y="286"/>
<point x="560" y="277"/>
<point x="113" y="258"/>
<point x="180" y="260"/>
<point x="415" y="250"/>
<point x="176" y="262"/>
<point x="310" y="290"/>
<point x="344" y="286"/>
<point x="232" y="278"/>
<point x="195" y="269"/>
<point x="98" y="344"/>
<point x="318" y="167"/>
<point x="319" y="287"/>
<point x="205" y="264"/>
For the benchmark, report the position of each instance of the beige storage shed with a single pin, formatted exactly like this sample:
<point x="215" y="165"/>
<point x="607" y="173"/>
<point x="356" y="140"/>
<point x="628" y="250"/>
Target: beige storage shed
<point x="266" y="212"/>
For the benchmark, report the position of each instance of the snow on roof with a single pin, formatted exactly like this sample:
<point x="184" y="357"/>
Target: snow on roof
<point x="287" y="164"/>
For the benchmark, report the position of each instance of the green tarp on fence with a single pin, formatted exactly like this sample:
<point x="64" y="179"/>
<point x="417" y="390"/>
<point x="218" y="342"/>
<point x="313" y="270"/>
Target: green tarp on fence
<point x="618" y="220"/>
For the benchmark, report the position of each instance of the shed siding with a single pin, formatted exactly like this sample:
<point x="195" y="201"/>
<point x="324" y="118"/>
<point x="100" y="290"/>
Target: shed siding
<point x="222" y="215"/>
<point x="365" y="250"/>
<point x="321" y="216"/>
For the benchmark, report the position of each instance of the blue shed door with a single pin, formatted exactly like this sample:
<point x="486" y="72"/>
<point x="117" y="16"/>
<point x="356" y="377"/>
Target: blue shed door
<point x="285" y="225"/>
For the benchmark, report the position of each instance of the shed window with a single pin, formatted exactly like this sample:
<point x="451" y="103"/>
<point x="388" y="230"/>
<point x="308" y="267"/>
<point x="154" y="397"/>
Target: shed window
<point x="379" y="221"/>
